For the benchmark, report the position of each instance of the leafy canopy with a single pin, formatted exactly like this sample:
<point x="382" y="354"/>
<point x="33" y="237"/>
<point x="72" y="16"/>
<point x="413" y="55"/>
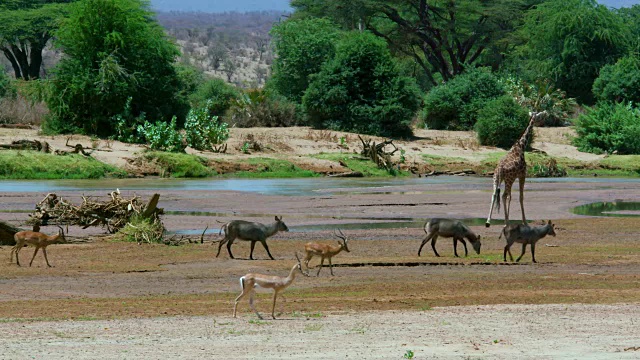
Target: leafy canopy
<point x="113" y="50"/>
<point x="361" y="90"/>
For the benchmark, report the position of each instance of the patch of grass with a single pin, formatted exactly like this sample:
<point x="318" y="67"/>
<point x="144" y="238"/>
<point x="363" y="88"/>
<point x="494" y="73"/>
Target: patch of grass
<point x="313" y="327"/>
<point x="358" y="163"/>
<point x="179" y="165"/>
<point x="258" y="322"/>
<point x="16" y="164"/>
<point x="274" y="168"/>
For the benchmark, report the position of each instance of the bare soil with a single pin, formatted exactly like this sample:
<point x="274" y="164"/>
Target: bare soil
<point x="582" y="299"/>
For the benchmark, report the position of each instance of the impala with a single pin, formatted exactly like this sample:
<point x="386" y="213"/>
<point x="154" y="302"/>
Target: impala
<point x="325" y="251"/>
<point x="37" y="239"/>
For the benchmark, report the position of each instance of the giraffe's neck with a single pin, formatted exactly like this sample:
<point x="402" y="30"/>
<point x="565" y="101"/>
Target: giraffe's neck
<point x="521" y="145"/>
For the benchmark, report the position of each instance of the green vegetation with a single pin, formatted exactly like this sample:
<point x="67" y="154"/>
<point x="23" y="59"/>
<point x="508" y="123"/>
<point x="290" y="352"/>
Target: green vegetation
<point x="619" y="82"/>
<point x="609" y="128"/>
<point x="570" y="41"/>
<point x="501" y="122"/>
<point x="179" y="165"/>
<point x="273" y="168"/>
<point x="302" y="47"/>
<point x="361" y="90"/>
<point x="36" y="165"/>
<point x="257" y="107"/>
<point x="113" y="50"/>
<point x="26" y="27"/>
<point x="216" y="94"/>
<point x="204" y="131"/>
<point x="361" y="164"/>
<point x="455" y="105"/>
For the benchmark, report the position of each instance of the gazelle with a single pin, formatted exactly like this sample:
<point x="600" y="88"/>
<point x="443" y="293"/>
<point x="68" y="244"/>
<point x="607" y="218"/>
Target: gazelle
<point x="277" y="283"/>
<point x="37" y="239"/>
<point x="450" y="228"/>
<point x="250" y="231"/>
<point x="325" y="251"/>
<point x="525" y="234"/>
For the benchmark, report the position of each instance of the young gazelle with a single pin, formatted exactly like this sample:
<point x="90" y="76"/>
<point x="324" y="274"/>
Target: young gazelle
<point x="37" y="239"/>
<point x="325" y="251"/>
<point x="525" y="234"/>
<point x="277" y="283"/>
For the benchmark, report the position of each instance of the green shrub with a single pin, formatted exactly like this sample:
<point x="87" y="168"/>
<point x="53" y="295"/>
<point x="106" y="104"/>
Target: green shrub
<point x="455" y="104"/>
<point x="361" y="90"/>
<point x="179" y="165"/>
<point x="141" y="230"/>
<point x="204" y="131"/>
<point x="609" y="127"/>
<point x="163" y="136"/>
<point x="216" y="94"/>
<point x="257" y="108"/>
<point x="7" y="87"/>
<point x="127" y="125"/>
<point x="619" y="82"/>
<point x="501" y="122"/>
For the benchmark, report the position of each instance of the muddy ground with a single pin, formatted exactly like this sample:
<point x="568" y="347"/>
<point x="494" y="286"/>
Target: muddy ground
<point x="580" y="301"/>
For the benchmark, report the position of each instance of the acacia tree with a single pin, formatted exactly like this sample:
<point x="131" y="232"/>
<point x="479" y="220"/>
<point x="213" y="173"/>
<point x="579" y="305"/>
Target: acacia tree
<point x="443" y="36"/>
<point x="26" y="27"/>
<point x="113" y="50"/>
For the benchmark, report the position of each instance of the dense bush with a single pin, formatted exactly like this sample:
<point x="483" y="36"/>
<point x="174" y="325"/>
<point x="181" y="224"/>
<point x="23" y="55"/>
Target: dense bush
<point x="609" y="127"/>
<point x="113" y="50"/>
<point x="7" y="88"/>
<point x="256" y="108"/>
<point x="163" y="136"/>
<point x="501" y="123"/>
<point x="619" y="82"/>
<point x="216" y="94"/>
<point x="455" y="104"/>
<point x="361" y="90"/>
<point x="542" y="96"/>
<point x="301" y="46"/>
<point x="204" y="131"/>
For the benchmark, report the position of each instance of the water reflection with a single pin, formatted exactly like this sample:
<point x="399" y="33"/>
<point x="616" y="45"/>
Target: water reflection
<point x="614" y="208"/>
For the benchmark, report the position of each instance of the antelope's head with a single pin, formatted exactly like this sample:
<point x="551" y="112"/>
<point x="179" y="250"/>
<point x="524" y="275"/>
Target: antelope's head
<point x="344" y="239"/>
<point x="281" y="225"/>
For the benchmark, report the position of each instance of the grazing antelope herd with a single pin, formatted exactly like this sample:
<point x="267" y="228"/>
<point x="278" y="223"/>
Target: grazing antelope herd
<point x="511" y="167"/>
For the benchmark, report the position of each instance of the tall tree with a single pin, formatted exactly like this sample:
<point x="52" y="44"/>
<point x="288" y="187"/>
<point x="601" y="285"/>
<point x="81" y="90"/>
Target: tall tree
<point x="443" y="36"/>
<point x="569" y="41"/>
<point x="113" y="50"/>
<point x="25" y="28"/>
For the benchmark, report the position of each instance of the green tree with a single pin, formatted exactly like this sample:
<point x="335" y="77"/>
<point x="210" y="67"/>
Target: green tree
<point x="361" y="90"/>
<point x="25" y="28"/>
<point x="619" y="82"/>
<point x="443" y="36"/>
<point x="113" y="50"/>
<point x="302" y="46"/>
<point x="568" y="42"/>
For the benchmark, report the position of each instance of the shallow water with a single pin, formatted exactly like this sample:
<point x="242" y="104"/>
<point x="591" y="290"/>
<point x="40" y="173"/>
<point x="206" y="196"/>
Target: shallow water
<point x="613" y="208"/>
<point x="294" y="187"/>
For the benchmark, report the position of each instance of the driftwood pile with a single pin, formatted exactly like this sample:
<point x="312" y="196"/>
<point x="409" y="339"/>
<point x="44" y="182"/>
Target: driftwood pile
<point x="43" y="146"/>
<point x="377" y="152"/>
<point x="113" y="214"/>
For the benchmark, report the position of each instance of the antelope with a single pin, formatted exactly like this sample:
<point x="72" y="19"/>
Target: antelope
<point x="37" y="239"/>
<point x="449" y="228"/>
<point x="325" y="251"/>
<point x="277" y="283"/>
<point x="250" y="231"/>
<point x="524" y="234"/>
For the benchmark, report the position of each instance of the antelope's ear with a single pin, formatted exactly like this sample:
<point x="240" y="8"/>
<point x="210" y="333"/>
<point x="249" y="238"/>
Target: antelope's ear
<point x="478" y="237"/>
<point x="276" y="217"/>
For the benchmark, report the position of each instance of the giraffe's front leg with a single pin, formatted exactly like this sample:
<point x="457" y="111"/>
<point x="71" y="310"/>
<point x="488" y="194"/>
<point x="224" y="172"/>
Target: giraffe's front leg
<point x="522" y="180"/>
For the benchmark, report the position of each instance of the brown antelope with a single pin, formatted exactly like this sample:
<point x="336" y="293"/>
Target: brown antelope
<point x="525" y="234"/>
<point x="250" y="231"/>
<point x="450" y="228"/>
<point x="37" y="239"/>
<point x="325" y="251"/>
<point x="277" y="283"/>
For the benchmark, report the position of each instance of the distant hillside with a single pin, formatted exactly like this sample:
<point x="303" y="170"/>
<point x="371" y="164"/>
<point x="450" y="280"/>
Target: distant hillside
<point x="217" y="6"/>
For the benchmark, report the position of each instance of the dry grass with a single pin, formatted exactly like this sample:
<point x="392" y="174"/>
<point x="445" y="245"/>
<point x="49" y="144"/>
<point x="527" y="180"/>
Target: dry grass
<point x="22" y="111"/>
<point x="596" y="261"/>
